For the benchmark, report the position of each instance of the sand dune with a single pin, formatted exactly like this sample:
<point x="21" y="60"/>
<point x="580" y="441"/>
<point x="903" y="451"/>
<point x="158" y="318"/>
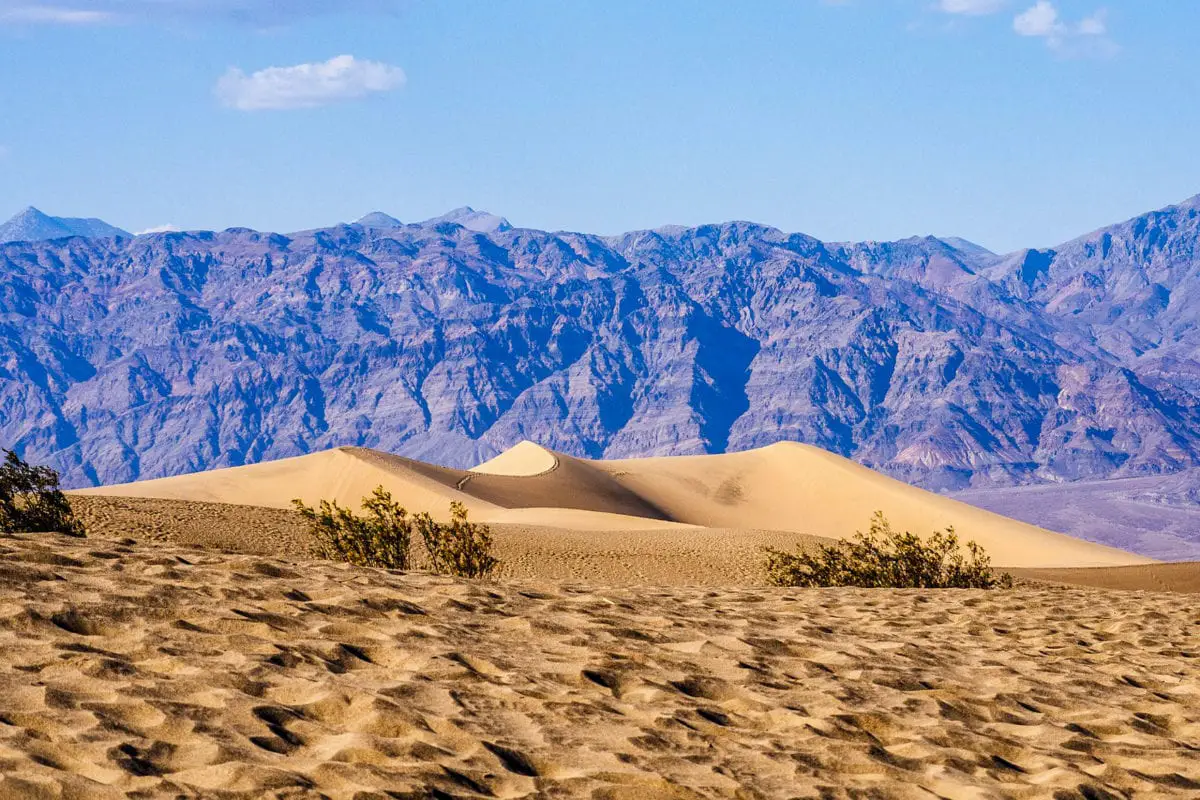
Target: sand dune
<point x="344" y="474"/>
<point x="522" y="460"/>
<point x="784" y="487"/>
<point x="151" y="670"/>
<point x="790" y="486"/>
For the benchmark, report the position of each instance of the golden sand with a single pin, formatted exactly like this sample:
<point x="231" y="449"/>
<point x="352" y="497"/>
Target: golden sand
<point x="194" y="648"/>
<point x="154" y="670"/>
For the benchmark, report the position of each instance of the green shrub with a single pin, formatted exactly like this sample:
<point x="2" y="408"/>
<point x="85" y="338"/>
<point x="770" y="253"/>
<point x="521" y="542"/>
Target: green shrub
<point x="460" y="548"/>
<point x="883" y="558"/>
<point x="31" y="502"/>
<point x="383" y="537"/>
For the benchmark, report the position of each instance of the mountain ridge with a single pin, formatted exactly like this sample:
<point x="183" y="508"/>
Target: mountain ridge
<point x="30" y="224"/>
<point x="124" y="359"/>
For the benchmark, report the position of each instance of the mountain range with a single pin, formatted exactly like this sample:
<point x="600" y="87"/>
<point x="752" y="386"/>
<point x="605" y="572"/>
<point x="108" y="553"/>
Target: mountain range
<point x="467" y="217"/>
<point x="930" y="359"/>
<point x="32" y="225"/>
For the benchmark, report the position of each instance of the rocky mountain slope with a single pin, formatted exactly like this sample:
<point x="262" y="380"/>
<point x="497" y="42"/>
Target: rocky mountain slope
<point x="931" y="359"/>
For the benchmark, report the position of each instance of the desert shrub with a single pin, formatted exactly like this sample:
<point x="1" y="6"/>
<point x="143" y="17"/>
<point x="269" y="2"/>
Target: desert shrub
<point x="31" y="502"/>
<point x="383" y="537"/>
<point x="460" y="548"/>
<point x="883" y="557"/>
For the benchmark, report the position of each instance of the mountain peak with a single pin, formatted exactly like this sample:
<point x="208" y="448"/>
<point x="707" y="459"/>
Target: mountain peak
<point x="379" y="220"/>
<point x="32" y="225"/>
<point x="469" y="218"/>
<point x="29" y="214"/>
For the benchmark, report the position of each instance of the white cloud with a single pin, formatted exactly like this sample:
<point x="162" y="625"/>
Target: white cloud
<point x="51" y="15"/>
<point x="1088" y="37"/>
<point x="972" y="7"/>
<point x="168" y="228"/>
<point x="307" y="85"/>
<point x="1040" y="20"/>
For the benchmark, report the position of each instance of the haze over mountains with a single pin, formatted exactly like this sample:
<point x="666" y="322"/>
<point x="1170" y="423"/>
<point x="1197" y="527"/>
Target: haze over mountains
<point x="930" y="359"/>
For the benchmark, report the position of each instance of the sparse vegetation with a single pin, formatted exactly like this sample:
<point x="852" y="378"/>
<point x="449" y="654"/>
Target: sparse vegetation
<point x="384" y="536"/>
<point x="460" y="548"/>
<point x="31" y="502"/>
<point x="379" y="539"/>
<point x="884" y="558"/>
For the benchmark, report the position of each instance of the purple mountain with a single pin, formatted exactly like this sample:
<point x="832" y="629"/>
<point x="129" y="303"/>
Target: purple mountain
<point x="931" y="359"/>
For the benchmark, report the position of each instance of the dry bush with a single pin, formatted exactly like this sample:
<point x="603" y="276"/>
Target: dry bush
<point x="383" y="538"/>
<point x="31" y="502"/>
<point x="460" y="548"/>
<point x="884" y="558"/>
<point x="379" y="539"/>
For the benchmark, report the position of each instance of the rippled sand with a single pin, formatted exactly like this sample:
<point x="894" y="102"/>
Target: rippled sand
<point x="157" y="670"/>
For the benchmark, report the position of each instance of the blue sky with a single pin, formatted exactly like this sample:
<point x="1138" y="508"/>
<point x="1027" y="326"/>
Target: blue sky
<point x="1012" y="123"/>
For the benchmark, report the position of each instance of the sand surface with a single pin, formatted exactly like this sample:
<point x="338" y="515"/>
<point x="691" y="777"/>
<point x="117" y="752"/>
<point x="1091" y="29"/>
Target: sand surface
<point x="784" y="487"/>
<point x="1178" y="577"/>
<point x="153" y="670"/>
<point x="667" y="555"/>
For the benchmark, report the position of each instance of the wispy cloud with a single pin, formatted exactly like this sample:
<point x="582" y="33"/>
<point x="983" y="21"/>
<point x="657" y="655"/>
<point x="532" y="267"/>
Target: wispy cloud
<point x="1088" y="36"/>
<point x="51" y="15"/>
<point x="168" y="228"/>
<point x="975" y="8"/>
<point x="307" y="85"/>
<point x="257" y="12"/>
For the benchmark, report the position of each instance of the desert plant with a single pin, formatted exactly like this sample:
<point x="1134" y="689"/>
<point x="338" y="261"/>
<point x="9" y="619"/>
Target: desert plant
<point x="883" y="557"/>
<point x="460" y="548"/>
<point x="31" y="502"/>
<point x="383" y="537"/>
<point x="379" y="539"/>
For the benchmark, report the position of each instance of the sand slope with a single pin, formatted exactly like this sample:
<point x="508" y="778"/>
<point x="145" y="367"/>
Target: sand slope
<point x="784" y="487"/>
<point x="344" y="474"/>
<point x="790" y="486"/>
<point x="157" y="671"/>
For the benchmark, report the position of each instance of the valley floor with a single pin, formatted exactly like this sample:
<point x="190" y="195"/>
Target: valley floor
<point x="149" y="669"/>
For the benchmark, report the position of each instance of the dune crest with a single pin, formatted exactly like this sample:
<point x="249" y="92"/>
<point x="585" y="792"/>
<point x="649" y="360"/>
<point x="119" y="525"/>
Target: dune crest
<point x="783" y="487"/>
<point x="523" y="459"/>
<point x="344" y="474"/>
